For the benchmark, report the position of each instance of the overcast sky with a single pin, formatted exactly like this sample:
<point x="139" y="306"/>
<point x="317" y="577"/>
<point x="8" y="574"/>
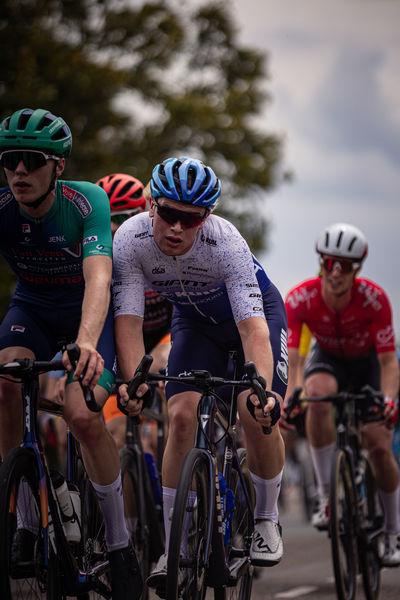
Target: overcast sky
<point x="335" y="86"/>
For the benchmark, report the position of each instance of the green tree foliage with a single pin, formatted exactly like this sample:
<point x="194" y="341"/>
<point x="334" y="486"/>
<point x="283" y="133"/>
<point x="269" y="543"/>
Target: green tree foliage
<point x="140" y="81"/>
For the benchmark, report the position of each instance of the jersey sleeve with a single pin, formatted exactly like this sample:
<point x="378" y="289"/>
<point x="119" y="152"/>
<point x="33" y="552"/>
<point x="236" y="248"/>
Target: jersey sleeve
<point x="239" y="274"/>
<point x="97" y="239"/>
<point x="294" y="319"/>
<point x="382" y="323"/>
<point x="128" y="277"/>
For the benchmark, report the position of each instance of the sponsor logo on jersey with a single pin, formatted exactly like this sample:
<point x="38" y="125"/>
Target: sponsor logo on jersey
<point x="371" y="296"/>
<point x="158" y="270"/>
<point x="5" y="198"/>
<point x="90" y="239"/>
<point x="173" y="282"/>
<point x="208" y="241"/>
<point x="302" y="295"/>
<point x="52" y="280"/>
<point x="255" y="295"/>
<point x="143" y="234"/>
<point x="19" y="328"/>
<point x="197" y="269"/>
<point x="26" y="228"/>
<point x="257" y="309"/>
<point x="57" y="239"/>
<point x="282" y="367"/>
<point x="385" y="336"/>
<point x="251" y="285"/>
<point x="81" y="203"/>
<point x="100" y="247"/>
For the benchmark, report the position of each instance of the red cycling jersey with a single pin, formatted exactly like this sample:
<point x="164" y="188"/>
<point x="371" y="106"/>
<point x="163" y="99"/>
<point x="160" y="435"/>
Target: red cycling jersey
<point x="349" y="333"/>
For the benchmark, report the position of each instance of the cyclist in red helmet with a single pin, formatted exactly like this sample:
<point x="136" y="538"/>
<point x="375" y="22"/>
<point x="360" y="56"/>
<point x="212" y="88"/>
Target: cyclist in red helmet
<point x="125" y="194"/>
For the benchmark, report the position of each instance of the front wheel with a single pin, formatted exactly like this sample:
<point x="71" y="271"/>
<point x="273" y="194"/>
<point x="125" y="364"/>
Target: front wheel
<point x="24" y="575"/>
<point x="135" y="513"/>
<point x="344" y="541"/>
<point x="242" y="529"/>
<point x="372" y="544"/>
<point x="186" y="576"/>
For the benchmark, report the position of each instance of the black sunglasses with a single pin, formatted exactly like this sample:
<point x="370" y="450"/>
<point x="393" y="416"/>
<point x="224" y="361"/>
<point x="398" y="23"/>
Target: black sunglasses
<point x="172" y="215"/>
<point x="330" y="263"/>
<point x="32" y="159"/>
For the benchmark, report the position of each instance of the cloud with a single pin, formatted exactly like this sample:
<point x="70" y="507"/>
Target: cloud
<point x="336" y="97"/>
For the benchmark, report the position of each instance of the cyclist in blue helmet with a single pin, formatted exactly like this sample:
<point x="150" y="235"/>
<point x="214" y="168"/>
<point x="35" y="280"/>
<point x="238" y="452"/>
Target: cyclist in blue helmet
<point x="186" y="180"/>
<point x="223" y="300"/>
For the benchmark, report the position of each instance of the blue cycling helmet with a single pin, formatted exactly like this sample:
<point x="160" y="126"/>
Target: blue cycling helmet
<point x="186" y="180"/>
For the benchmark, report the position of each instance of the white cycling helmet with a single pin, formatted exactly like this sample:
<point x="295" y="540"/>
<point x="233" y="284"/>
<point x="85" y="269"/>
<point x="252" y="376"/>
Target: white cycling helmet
<point x="344" y="241"/>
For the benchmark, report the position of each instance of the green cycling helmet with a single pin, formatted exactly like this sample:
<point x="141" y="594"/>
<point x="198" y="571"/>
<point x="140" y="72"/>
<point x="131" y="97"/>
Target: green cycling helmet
<point x="36" y="130"/>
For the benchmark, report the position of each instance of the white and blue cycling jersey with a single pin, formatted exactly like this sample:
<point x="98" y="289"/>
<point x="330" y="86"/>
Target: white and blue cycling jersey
<point x="216" y="280"/>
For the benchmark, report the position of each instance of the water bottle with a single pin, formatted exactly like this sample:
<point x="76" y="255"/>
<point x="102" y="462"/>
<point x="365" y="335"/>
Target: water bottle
<point x="69" y="502"/>
<point x="153" y="476"/>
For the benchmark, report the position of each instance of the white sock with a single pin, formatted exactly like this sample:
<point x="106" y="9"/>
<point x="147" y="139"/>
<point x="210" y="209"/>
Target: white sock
<point x="168" y="503"/>
<point x="168" y="496"/>
<point x="321" y="459"/>
<point x="267" y="494"/>
<point x="391" y="504"/>
<point x="112" y="505"/>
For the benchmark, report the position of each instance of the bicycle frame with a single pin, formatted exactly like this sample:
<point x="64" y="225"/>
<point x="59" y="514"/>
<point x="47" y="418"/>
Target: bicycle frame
<point x="79" y="582"/>
<point x="209" y="414"/>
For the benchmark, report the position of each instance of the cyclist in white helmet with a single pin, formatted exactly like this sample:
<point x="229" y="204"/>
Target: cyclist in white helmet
<point x="351" y="321"/>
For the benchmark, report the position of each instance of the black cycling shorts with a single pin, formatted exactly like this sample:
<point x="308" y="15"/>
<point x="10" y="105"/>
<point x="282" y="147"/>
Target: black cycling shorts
<point x="351" y="375"/>
<point x="206" y="346"/>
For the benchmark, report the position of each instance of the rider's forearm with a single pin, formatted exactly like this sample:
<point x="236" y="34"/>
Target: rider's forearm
<point x="254" y="334"/>
<point x="129" y="344"/>
<point x="96" y="299"/>
<point x="390" y="374"/>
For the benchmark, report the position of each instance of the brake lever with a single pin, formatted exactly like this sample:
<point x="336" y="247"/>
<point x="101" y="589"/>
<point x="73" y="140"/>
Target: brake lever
<point x="259" y="385"/>
<point x="74" y="353"/>
<point x="139" y="377"/>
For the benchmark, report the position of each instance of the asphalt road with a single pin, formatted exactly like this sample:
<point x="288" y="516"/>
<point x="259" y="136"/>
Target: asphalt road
<point x="306" y="570"/>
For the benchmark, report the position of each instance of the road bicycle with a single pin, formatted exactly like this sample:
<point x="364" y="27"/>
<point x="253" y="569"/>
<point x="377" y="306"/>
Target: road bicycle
<point x="58" y="567"/>
<point x="213" y="517"/>
<point x="356" y="524"/>
<point x="142" y="515"/>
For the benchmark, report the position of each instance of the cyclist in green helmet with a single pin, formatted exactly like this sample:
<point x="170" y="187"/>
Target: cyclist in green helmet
<point x="56" y="237"/>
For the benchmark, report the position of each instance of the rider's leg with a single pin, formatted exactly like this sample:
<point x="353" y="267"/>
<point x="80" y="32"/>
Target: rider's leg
<point x="11" y="403"/>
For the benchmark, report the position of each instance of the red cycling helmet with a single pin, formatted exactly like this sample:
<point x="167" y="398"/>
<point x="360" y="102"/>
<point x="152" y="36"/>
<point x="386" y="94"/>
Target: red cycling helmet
<point x="124" y="192"/>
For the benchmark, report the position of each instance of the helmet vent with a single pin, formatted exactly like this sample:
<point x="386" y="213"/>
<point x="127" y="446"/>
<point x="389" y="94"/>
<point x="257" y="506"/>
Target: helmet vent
<point x="125" y="189"/>
<point x="339" y="239"/>
<point x="23" y="120"/>
<point x="353" y="241"/>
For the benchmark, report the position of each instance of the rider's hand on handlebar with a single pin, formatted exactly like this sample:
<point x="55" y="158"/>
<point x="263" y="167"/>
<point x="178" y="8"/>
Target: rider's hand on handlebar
<point x="89" y="358"/>
<point x="287" y="421"/>
<point x="60" y="389"/>
<point x="134" y="405"/>
<point x="390" y="413"/>
<point x="265" y="417"/>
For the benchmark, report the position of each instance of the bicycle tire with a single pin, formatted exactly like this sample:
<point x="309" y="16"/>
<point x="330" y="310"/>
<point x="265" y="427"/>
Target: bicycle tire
<point x="136" y="517"/>
<point x="371" y="547"/>
<point x="92" y="549"/>
<point x="343" y="538"/>
<point x="30" y="579"/>
<point x="242" y="529"/>
<point x="189" y="529"/>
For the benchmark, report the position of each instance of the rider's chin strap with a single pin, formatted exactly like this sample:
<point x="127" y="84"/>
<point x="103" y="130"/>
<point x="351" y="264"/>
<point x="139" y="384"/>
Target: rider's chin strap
<point x="39" y="201"/>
